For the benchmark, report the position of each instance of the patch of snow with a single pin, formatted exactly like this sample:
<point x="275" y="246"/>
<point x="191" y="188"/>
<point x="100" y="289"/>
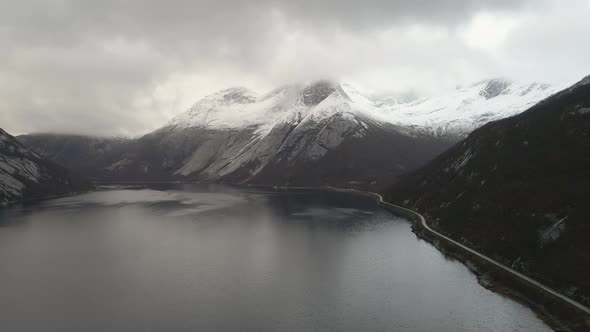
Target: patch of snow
<point x="4" y="166"/>
<point x="463" y="160"/>
<point x="10" y="187"/>
<point x="21" y="166"/>
<point x="552" y="233"/>
<point x="120" y="164"/>
<point x="584" y="81"/>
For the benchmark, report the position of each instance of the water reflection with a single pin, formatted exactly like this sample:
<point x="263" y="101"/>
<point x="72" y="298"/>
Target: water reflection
<point x="189" y="257"/>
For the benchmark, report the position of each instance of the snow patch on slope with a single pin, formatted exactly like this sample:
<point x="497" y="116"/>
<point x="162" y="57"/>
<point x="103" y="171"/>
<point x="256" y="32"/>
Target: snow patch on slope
<point x="238" y="108"/>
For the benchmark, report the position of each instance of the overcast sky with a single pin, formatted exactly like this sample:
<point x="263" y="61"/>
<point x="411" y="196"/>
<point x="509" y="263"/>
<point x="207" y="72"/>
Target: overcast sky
<point x="114" y="67"/>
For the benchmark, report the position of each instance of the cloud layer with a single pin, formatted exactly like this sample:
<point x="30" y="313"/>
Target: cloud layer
<point x="125" y="67"/>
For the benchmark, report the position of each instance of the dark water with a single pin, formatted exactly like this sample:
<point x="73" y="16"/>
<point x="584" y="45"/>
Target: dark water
<point x="194" y="258"/>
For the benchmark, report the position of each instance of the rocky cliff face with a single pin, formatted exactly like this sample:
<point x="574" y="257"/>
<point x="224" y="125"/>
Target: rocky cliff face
<point x="517" y="190"/>
<point x="24" y="175"/>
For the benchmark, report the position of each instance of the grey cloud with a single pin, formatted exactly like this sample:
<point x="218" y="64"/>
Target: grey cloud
<point x="118" y="67"/>
<point x="244" y="25"/>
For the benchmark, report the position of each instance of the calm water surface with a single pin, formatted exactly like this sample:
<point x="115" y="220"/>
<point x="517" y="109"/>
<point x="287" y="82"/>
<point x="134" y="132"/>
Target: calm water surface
<point x="194" y="258"/>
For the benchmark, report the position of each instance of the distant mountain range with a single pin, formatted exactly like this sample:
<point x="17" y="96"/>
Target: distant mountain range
<point x="24" y="175"/>
<point x="518" y="190"/>
<point x="321" y="133"/>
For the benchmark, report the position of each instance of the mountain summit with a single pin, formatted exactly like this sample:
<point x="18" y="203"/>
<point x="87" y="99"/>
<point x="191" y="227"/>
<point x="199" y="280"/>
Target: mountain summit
<point x="323" y="132"/>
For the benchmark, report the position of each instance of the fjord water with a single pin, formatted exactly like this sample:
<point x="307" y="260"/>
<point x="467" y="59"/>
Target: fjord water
<point x="193" y="257"/>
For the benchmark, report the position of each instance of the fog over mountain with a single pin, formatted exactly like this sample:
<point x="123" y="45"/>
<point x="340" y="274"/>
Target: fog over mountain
<point x="124" y="68"/>
<point x="24" y="175"/>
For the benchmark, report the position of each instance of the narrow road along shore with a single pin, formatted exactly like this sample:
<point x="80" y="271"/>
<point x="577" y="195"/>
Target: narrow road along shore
<point x="420" y="218"/>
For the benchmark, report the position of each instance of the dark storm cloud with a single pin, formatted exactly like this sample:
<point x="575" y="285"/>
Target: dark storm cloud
<point x="205" y="23"/>
<point x="124" y="67"/>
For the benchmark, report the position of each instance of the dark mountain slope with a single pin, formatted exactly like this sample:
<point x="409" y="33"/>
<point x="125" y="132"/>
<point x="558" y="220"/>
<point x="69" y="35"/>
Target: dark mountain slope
<point x="366" y="162"/>
<point x="362" y="161"/>
<point x="24" y="175"/>
<point x="90" y="156"/>
<point x="518" y="190"/>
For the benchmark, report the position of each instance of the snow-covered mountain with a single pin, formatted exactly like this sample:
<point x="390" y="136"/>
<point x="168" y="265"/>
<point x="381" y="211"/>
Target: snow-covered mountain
<point x="281" y="124"/>
<point x="294" y="134"/>
<point x="466" y="109"/>
<point x="26" y="175"/>
<point x="322" y="132"/>
<point x="456" y="113"/>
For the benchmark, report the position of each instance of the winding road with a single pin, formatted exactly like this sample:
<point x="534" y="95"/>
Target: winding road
<point x="482" y="256"/>
<point x="420" y="217"/>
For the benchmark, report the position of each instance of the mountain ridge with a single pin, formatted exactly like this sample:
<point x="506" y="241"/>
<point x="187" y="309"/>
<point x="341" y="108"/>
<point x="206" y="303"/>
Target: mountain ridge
<point x="516" y="190"/>
<point x="424" y="115"/>
<point x="293" y="134"/>
<point x="24" y="175"/>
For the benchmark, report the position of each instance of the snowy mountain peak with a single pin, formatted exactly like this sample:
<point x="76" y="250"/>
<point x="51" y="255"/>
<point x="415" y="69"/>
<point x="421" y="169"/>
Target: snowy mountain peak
<point x="238" y="95"/>
<point x="455" y="114"/>
<point x="584" y="81"/>
<point x="494" y="88"/>
<point x="289" y="90"/>
<point x="316" y="92"/>
<point x="460" y="112"/>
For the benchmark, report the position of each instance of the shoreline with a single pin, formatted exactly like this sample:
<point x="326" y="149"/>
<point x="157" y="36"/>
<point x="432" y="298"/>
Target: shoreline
<point x="44" y="198"/>
<point x="557" y="313"/>
<point x="554" y="311"/>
